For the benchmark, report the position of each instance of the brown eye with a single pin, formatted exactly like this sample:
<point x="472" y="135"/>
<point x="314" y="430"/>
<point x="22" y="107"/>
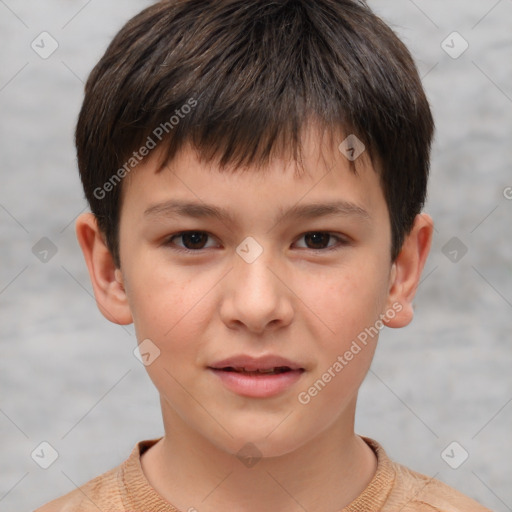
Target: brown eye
<point x="192" y="240"/>
<point x="319" y="240"/>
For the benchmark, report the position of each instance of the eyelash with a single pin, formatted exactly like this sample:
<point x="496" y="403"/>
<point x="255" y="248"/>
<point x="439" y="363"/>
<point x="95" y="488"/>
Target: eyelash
<point x="341" y="241"/>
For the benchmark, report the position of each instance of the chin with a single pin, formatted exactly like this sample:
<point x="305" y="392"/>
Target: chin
<point x="253" y="440"/>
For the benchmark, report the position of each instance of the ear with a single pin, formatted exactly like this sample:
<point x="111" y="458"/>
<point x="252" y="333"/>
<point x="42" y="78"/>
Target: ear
<point x="406" y="271"/>
<point x="107" y="280"/>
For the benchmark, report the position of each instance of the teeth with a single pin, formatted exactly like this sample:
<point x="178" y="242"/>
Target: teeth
<point x="279" y="369"/>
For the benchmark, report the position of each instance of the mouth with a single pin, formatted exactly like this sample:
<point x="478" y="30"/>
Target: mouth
<point x="261" y="371"/>
<point x="262" y="377"/>
<point x="262" y="364"/>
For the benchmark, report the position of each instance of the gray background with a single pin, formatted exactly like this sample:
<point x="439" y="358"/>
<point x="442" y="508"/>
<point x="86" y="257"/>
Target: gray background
<point x="69" y="377"/>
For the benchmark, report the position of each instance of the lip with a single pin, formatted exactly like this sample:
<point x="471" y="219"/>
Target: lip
<point x="251" y="363"/>
<point x="255" y="385"/>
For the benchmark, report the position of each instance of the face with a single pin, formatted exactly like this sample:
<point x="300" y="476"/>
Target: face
<point x="257" y="289"/>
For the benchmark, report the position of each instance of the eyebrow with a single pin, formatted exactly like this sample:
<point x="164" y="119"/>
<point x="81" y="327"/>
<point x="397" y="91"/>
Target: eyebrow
<point x="175" y="208"/>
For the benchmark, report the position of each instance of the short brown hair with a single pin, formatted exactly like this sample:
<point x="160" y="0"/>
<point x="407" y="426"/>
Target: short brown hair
<point x="253" y="73"/>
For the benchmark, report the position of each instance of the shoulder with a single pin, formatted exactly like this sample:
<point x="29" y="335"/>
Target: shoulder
<point x="415" y="492"/>
<point x="109" y="491"/>
<point x="98" y="493"/>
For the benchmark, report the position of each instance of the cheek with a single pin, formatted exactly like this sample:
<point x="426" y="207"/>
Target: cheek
<point x="350" y="307"/>
<point x="170" y="308"/>
<point x="345" y="299"/>
<point x="158" y="296"/>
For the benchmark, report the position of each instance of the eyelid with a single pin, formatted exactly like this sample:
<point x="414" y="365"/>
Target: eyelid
<point x="167" y="241"/>
<point x="342" y="240"/>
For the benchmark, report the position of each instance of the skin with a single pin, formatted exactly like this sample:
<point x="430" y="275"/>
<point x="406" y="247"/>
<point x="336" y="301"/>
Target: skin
<point x="298" y="300"/>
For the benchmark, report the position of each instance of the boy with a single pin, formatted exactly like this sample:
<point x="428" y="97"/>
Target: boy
<point x="219" y="142"/>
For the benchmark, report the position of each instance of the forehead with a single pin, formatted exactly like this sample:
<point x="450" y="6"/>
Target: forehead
<point x="324" y="182"/>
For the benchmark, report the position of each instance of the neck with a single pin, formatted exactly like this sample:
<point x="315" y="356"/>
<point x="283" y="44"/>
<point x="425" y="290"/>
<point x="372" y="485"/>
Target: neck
<point x="326" y="473"/>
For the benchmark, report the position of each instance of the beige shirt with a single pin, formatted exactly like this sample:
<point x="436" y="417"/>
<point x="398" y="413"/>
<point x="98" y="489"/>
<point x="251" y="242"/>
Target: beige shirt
<point x="393" y="488"/>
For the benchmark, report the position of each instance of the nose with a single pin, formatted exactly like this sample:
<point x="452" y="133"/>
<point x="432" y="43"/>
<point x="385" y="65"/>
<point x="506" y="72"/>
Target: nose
<point x="256" y="296"/>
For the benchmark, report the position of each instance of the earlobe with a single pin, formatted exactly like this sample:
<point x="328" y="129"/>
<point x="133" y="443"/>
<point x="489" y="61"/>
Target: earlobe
<point x="406" y="272"/>
<point x="106" y="279"/>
